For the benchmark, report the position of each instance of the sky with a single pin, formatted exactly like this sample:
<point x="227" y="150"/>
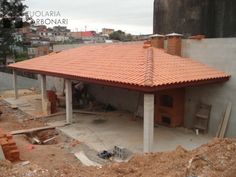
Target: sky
<point x="131" y="16"/>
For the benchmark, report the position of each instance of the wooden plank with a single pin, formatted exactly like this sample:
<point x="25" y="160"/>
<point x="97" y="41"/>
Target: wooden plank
<point x="225" y="120"/>
<point x="89" y="112"/>
<point x="220" y="125"/>
<point x="24" y="131"/>
<point x="63" y="113"/>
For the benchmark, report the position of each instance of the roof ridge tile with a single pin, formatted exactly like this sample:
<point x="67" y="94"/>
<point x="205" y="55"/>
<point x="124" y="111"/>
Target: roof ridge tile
<point x="149" y="68"/>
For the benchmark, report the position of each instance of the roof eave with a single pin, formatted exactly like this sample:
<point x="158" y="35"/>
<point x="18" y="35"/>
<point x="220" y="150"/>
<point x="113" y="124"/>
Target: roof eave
<point x="142" y="88"/>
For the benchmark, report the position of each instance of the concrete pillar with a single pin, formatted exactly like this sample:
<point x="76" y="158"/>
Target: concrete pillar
<point x="15" y="84"/>
<point x="69" y="109"/>
<point x="148" y="124"/>
<point x="43" y="90"/>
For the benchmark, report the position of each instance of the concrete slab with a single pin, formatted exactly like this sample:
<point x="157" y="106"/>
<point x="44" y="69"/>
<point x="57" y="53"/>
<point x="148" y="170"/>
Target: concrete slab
<point x="30" y="104"/>
<point x="103" y="132"/>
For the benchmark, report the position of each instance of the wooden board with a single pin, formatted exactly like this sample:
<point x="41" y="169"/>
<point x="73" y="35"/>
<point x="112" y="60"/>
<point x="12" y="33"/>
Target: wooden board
<point x="63" y="113"/>
<point x="219" y="127"/>
<point x="225" y="120"/>
<point x="18" y="132"/>
<point x="89" y="112"/>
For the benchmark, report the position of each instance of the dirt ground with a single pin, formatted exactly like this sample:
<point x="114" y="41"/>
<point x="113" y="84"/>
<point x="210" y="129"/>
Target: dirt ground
<point x="215" y="159"/>
<point x="48" y="157"/>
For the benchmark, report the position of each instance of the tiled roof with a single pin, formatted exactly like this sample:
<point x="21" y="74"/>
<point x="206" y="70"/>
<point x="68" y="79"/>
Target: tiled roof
<point x="82" y="34"/>
<point x="130" y="64"/>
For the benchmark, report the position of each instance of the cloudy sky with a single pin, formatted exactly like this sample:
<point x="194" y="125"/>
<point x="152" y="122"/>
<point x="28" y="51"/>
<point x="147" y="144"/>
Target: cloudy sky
<point x="131" y="16"/>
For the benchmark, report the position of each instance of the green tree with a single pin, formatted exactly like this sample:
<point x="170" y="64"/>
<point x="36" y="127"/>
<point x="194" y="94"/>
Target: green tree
<point x="11" y="13"/>
<point x="117" y="35"/>
<point x="121" y="36"/>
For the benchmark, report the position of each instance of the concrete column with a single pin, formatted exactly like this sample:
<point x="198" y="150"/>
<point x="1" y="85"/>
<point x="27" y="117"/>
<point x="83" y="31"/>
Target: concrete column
<point x="69" y="109"/>
<point x="15" y="84"/>
<point x="43" y="90"/>
<point x="148" y="124"/>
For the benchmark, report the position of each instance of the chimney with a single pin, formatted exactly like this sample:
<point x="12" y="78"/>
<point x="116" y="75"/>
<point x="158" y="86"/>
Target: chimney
<point x="157" y="41"/>
<point x="174" y="43"/>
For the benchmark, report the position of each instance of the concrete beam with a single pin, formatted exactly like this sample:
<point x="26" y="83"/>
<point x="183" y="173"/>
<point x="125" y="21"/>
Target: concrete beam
<point x="15" y="84"/>
<point x="69" y="109"/>
<point x="43" y="90"/>
<point x="148" y="122"/>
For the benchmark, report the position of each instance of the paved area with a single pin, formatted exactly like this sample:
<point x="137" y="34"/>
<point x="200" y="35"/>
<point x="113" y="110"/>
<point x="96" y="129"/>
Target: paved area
<point x="30" y="104"/>
<point x="117" y="128"/>
<point x="103" y="132"/>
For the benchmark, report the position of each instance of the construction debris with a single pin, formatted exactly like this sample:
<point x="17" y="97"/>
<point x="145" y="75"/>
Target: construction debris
<point x="9" y="170"/>
<point x="14" y="106"/>
<point x="31" y="130"/>
<point x="25" y="163"/>
<point x="105" y="155"/>
<point x="27" y="131"/>
<point x="120" y="152"/>
<point x="43" y="137"/>
<point x="85" y="160"/>
<point x="48" y="140"/>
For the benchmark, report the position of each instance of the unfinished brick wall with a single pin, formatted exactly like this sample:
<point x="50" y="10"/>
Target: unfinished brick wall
<point x="9" y="147"/>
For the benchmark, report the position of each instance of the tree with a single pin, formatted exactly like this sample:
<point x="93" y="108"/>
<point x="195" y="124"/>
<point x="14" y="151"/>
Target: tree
<point x="11" y="14"/>
<point x="121" y="36"/>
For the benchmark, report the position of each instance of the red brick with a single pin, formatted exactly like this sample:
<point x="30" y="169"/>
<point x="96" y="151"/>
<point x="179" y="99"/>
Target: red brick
<point x="9" y="136"/>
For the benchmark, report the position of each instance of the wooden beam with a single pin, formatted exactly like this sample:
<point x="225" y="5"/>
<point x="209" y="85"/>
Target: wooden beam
<point x="225" y="120"/>
<point x="24" y="131"/>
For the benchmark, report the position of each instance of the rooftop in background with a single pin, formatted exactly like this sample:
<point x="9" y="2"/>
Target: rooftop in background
<point x="82" y="34"/>
<point x="127" y="65"/>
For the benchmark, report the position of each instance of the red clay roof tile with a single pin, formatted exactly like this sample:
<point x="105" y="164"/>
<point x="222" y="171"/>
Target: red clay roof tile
<point x="123" y="63"/>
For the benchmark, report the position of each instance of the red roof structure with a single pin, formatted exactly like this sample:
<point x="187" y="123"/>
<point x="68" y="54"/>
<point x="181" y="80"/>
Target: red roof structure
<point x="82" y="34"/>
<point x="128" y="65"/>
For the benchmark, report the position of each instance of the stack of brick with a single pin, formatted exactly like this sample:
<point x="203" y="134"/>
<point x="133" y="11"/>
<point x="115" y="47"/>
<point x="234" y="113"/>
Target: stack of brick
<point x="9" y="147"/>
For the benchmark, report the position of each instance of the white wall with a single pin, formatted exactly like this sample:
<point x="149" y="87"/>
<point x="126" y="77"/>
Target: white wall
<point x="22" y="82"/>
<point x="123" y="99"/>
<point x="221" y="54"/>
<point x="59" y="47"/>
<point x="55" y="83"/>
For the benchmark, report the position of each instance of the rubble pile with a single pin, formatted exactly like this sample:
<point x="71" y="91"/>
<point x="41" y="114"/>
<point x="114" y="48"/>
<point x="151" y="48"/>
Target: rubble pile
<point x="217" y="158"/>
<point x="7" y="169"/>
<point x="9" y="147"/>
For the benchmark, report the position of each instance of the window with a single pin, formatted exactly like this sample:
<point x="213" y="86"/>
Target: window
<point x="166" y="101"/>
